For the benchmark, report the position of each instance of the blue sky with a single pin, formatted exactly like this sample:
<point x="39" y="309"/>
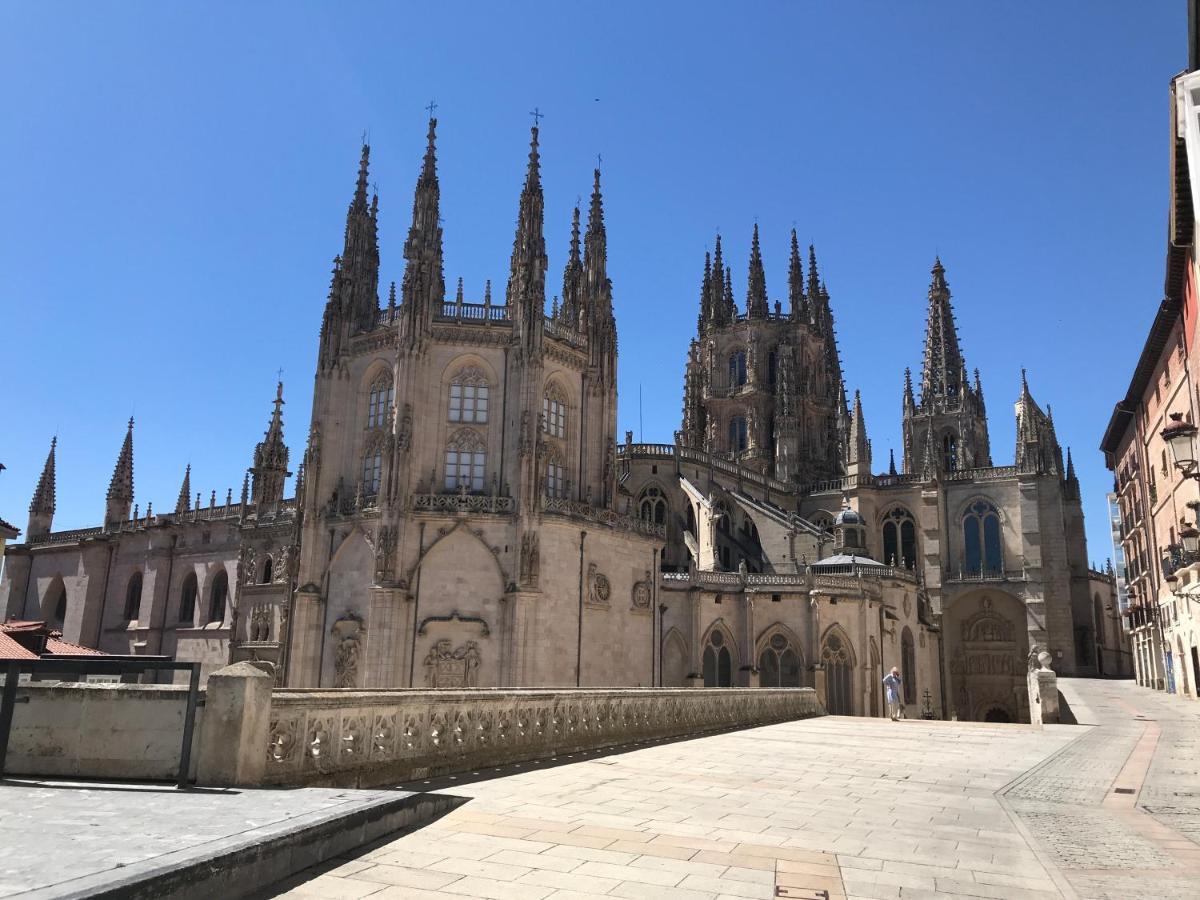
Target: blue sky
<point x="176" y="178"/>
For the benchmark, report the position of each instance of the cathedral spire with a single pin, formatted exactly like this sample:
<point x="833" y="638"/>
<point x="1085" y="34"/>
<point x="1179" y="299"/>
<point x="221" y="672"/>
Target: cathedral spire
<point x="271" y="458"/>
<point x="1037" y="450"/>
<point x="814" y="288"/>
<point x="527" y="270"/>
<point x="756" y="282"/>
<point x="891" y="461"/>
<point x="704" y="318"/>
<point x="572" y="292"/>
<point x="120" y="488"/>
<point x="597" y="289"/>
<point x="943" y="367"/>
<point x="183" y="502"/>
<point x="796" y="299"/>
<point x="718" y="309"/>
<point x="423" y="288"/>
<point x="908" y="403"/>
<point x="360" y="256"/>
<point x="858" y="447"/>
<point x="730" y="303"/>
<point x="41" y="508"/>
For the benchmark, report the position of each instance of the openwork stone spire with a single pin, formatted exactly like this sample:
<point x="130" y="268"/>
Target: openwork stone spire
<point x="1037" y="448"/>
<point x="943" y="367"/>
<point x="597" y="290"/>
<point x="360" y="256"/>
<point x="572" y="292"/>
<point x="423" y="288"/>
<point x="271" y="458"/>
<point x="703" y="320"/>
<point x="120" y="488"/>
<point x="41" y="508"/>
<point x="858" y="446"/>
<point x="527" y="270"/>
<point x="797" y="302"/>
<point x="184" y="501"/>
<point x="756" y="282"/>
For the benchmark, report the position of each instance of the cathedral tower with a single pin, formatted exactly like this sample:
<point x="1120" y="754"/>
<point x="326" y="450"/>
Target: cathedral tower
<point x="947" y="428"/>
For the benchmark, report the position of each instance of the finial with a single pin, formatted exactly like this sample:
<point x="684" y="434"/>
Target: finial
<point x="487" y="292"/>
<point x="458" y="297"/>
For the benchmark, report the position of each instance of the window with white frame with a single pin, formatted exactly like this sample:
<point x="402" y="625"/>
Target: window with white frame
<point x="469" y="396"/>
<point x="466" y="456"/>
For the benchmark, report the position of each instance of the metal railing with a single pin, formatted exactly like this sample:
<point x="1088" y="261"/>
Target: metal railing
<point x="99" y="665"/>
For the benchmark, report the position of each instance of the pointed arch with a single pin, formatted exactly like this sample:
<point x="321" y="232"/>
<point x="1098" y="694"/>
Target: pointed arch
<point x="652" y="505"/>
<point x="379" y="391"/>
<point x="468" y="381"/>
<point x="554" y="473"/>
<point x="188" y="591"/>
<point x="466" y="459"/>
<point x="719" y="655"/>
<point x="780" y="657"/>
<point x="908" y="666"/>
<point x="54" y="603"/>
<point x="555" y="409"/>
<point x="442" y="535"/>
<point x="218" y="597"/>
<point x="675" y="668"/>
<point x="133" y="596"/>
<point x="838" y="662"/>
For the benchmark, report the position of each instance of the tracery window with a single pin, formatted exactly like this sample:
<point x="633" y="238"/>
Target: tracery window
<point x="380" y="400"/>
<point x="981" y="539"/>
<point x="187" y="598"/>
<point x="469" y="396"/>
<point x="778" y="663"/>
<point x="554" y="414"/>
<point x="837" y="662"/>
<point x="372" y="470"/>
<point x="556" y="477"/>
<point x="653" y="506"/>
<point x="949" y="452"/>
<point x="217" y="597"/>
<point x="718" y="662"/>
<point x="737" y="368"/>
<point x="465" y="457"/>
<point x="133" y="597"/>
<point x="900" y="539"/>
<point x="737" y="434"/>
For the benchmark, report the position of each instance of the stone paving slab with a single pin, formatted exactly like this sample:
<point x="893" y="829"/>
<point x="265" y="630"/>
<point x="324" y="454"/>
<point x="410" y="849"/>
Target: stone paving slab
<point x="81" y="839"/>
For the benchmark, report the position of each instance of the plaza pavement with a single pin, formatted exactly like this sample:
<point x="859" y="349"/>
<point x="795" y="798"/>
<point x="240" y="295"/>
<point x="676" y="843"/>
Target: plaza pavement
<point x="859" y="808"/>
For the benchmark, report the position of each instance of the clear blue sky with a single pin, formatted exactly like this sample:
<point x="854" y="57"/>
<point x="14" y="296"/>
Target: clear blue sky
<point x="176" y="178"/>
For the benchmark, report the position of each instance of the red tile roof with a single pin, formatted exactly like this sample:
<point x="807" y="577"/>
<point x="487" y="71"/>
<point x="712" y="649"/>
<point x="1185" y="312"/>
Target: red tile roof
<point x="10" y="648"/>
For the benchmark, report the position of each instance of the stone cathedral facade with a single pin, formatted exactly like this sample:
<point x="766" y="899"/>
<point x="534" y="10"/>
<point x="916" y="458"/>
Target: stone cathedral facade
<point x="466" y="515"/>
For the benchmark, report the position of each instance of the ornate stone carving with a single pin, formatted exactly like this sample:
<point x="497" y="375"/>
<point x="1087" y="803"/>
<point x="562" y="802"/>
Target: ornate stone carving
<point x="385" y="552"/>
<point x="404" y="435"/>
<point x="249" y="566"/>
<point x="260" y="623"/>
<point x="527" y="439"/>
<point x="599" y="589"/>
<point x="642" y="593"/>
<point x="530" y="559"/>
<point x="281" y="573"/>
<point x="347" y="649"/>
<point x="446" y="667"/>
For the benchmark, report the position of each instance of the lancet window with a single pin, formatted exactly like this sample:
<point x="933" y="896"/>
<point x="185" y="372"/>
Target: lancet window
<point x="380" y="400"/>
<point x="466" y="454"/>
<point x="469" y="396"/>
<point x="981" y="539"/>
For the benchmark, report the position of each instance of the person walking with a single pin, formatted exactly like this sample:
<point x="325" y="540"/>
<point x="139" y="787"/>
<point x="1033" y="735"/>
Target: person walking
<point x="891" y="683"/>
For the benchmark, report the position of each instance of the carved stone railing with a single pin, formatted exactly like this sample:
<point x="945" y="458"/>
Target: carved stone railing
<point x="479" y="313"/>
<point x="577" y="509"/>
<point x="810" y="576"/>
<point x="361" y="738"/>
<point x="996" y="575"/>
<point x="67" y="537"/>
<point x="561" y="331"/>
<point x="474" y="504"/>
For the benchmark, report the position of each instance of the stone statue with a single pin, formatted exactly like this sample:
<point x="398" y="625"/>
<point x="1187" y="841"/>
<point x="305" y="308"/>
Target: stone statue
<point x="345" y="663"/>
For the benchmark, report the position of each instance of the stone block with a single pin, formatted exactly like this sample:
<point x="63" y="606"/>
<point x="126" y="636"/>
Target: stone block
<point x="237" y="712"/>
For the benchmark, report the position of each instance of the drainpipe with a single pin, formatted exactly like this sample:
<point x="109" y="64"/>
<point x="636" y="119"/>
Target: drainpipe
<point x="579" y="636"/>
<point x="104" y="596"/>
<point x="412" y="650"/>
<point x="325" y="615"/>
<point x="654" y="662"/>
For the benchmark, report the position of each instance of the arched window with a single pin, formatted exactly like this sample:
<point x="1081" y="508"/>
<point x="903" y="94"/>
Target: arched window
<point x="556" y="477"/>
<point x="837" y="661"/>
<point x="900" y="538"/>
<point x="721" y="511"/>
<point x="737" y="368"/>
<point x="60" y="608"/>
<point x="382" y="395"/>
<point x="469" y="396"/>
<point x="908" y="667"/>
<point x="778" y="663"/>
<point x="949" y="452"/>
<point x="981" y="539"/>
<point x="217" y="597"/>
<point x="653" y="507"/>
<point x="718" y="663"/>
<point x="267" y="572"/>
<point x="372" y="471"/>
<point x="187" y="599"/>
<point x="737" y="434"/>
<point x="554" y="413"/>
<point x="465" y="456"/>
<point x="133" y="597"/>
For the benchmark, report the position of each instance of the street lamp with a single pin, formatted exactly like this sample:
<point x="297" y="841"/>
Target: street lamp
<point x="1181" y="437"/>
<point x="1191" y="541"/>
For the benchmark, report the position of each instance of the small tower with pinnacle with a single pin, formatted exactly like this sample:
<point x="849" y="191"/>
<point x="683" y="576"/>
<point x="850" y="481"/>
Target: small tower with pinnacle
<point x="119" y="499"/>
<point x="41" y="508"/>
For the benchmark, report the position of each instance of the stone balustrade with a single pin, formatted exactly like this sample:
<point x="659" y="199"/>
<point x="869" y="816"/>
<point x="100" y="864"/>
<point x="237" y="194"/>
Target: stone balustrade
<point x="362" y="738"/>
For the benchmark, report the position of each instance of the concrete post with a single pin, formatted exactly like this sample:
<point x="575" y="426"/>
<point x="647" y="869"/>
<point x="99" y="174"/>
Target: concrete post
<point x="234" y="731"/>
<point x="1043" y="688"/>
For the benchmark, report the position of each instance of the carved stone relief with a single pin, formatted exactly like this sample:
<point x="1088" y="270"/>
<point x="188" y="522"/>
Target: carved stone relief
<point x="347" y="649"/>
<point x="599" y="589"/>
<point x="447" y="667"/>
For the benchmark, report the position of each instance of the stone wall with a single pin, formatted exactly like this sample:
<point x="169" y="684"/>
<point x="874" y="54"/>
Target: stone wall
<point x="362" y="738"/>
<point x="77" y="730"/>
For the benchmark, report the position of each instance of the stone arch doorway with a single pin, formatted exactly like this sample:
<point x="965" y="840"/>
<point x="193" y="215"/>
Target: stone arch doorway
<point x="997" y="714"/>
<point x="837" y="659"/>
<point x="987" y="647"/>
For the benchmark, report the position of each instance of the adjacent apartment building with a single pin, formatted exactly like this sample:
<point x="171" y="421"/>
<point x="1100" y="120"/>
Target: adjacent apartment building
<point x="1157" y="493"/>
